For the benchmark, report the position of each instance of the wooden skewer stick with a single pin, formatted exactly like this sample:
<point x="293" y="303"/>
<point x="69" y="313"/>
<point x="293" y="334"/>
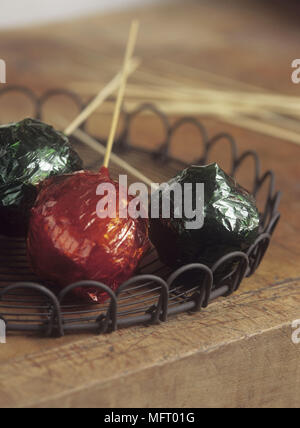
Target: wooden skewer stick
<point x="99" y="148"/>
<point x="106" y="92"/>
<point x="129" y="52"/>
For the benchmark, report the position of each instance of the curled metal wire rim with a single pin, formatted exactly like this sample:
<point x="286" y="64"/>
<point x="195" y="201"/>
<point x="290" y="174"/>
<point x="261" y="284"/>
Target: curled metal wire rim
<point x="147" y="298"/>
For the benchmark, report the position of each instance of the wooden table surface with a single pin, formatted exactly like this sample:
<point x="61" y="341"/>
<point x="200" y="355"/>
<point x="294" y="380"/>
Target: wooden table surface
<point x="238" y="352"/>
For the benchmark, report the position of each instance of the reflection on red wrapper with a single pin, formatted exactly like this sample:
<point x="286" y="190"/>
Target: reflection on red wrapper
<point x="68" y="242"/>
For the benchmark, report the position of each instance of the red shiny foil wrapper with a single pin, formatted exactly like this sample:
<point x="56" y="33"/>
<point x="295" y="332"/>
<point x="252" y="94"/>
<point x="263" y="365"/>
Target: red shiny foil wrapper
<point x="68" y="242"/>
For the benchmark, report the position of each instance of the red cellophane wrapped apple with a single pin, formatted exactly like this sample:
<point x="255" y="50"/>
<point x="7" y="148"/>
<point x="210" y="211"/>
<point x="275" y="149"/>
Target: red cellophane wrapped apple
<point x="69" y="242"/>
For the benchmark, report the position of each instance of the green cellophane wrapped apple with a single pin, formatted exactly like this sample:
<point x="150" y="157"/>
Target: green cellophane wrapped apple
<point x="30" y="152"/>
<point x="231" y="221"/>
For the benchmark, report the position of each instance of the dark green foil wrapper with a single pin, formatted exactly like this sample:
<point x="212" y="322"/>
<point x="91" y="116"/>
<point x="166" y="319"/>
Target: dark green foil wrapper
<point x="231" y="221"/>
<point x="30" y="152"/>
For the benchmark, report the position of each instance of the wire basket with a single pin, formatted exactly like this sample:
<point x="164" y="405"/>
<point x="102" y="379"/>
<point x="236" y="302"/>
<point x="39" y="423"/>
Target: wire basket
<point x="156" y="292"/>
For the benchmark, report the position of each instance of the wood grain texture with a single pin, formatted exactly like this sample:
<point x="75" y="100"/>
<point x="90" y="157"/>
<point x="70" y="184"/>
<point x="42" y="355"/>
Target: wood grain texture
<point x="238" y="352"/>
